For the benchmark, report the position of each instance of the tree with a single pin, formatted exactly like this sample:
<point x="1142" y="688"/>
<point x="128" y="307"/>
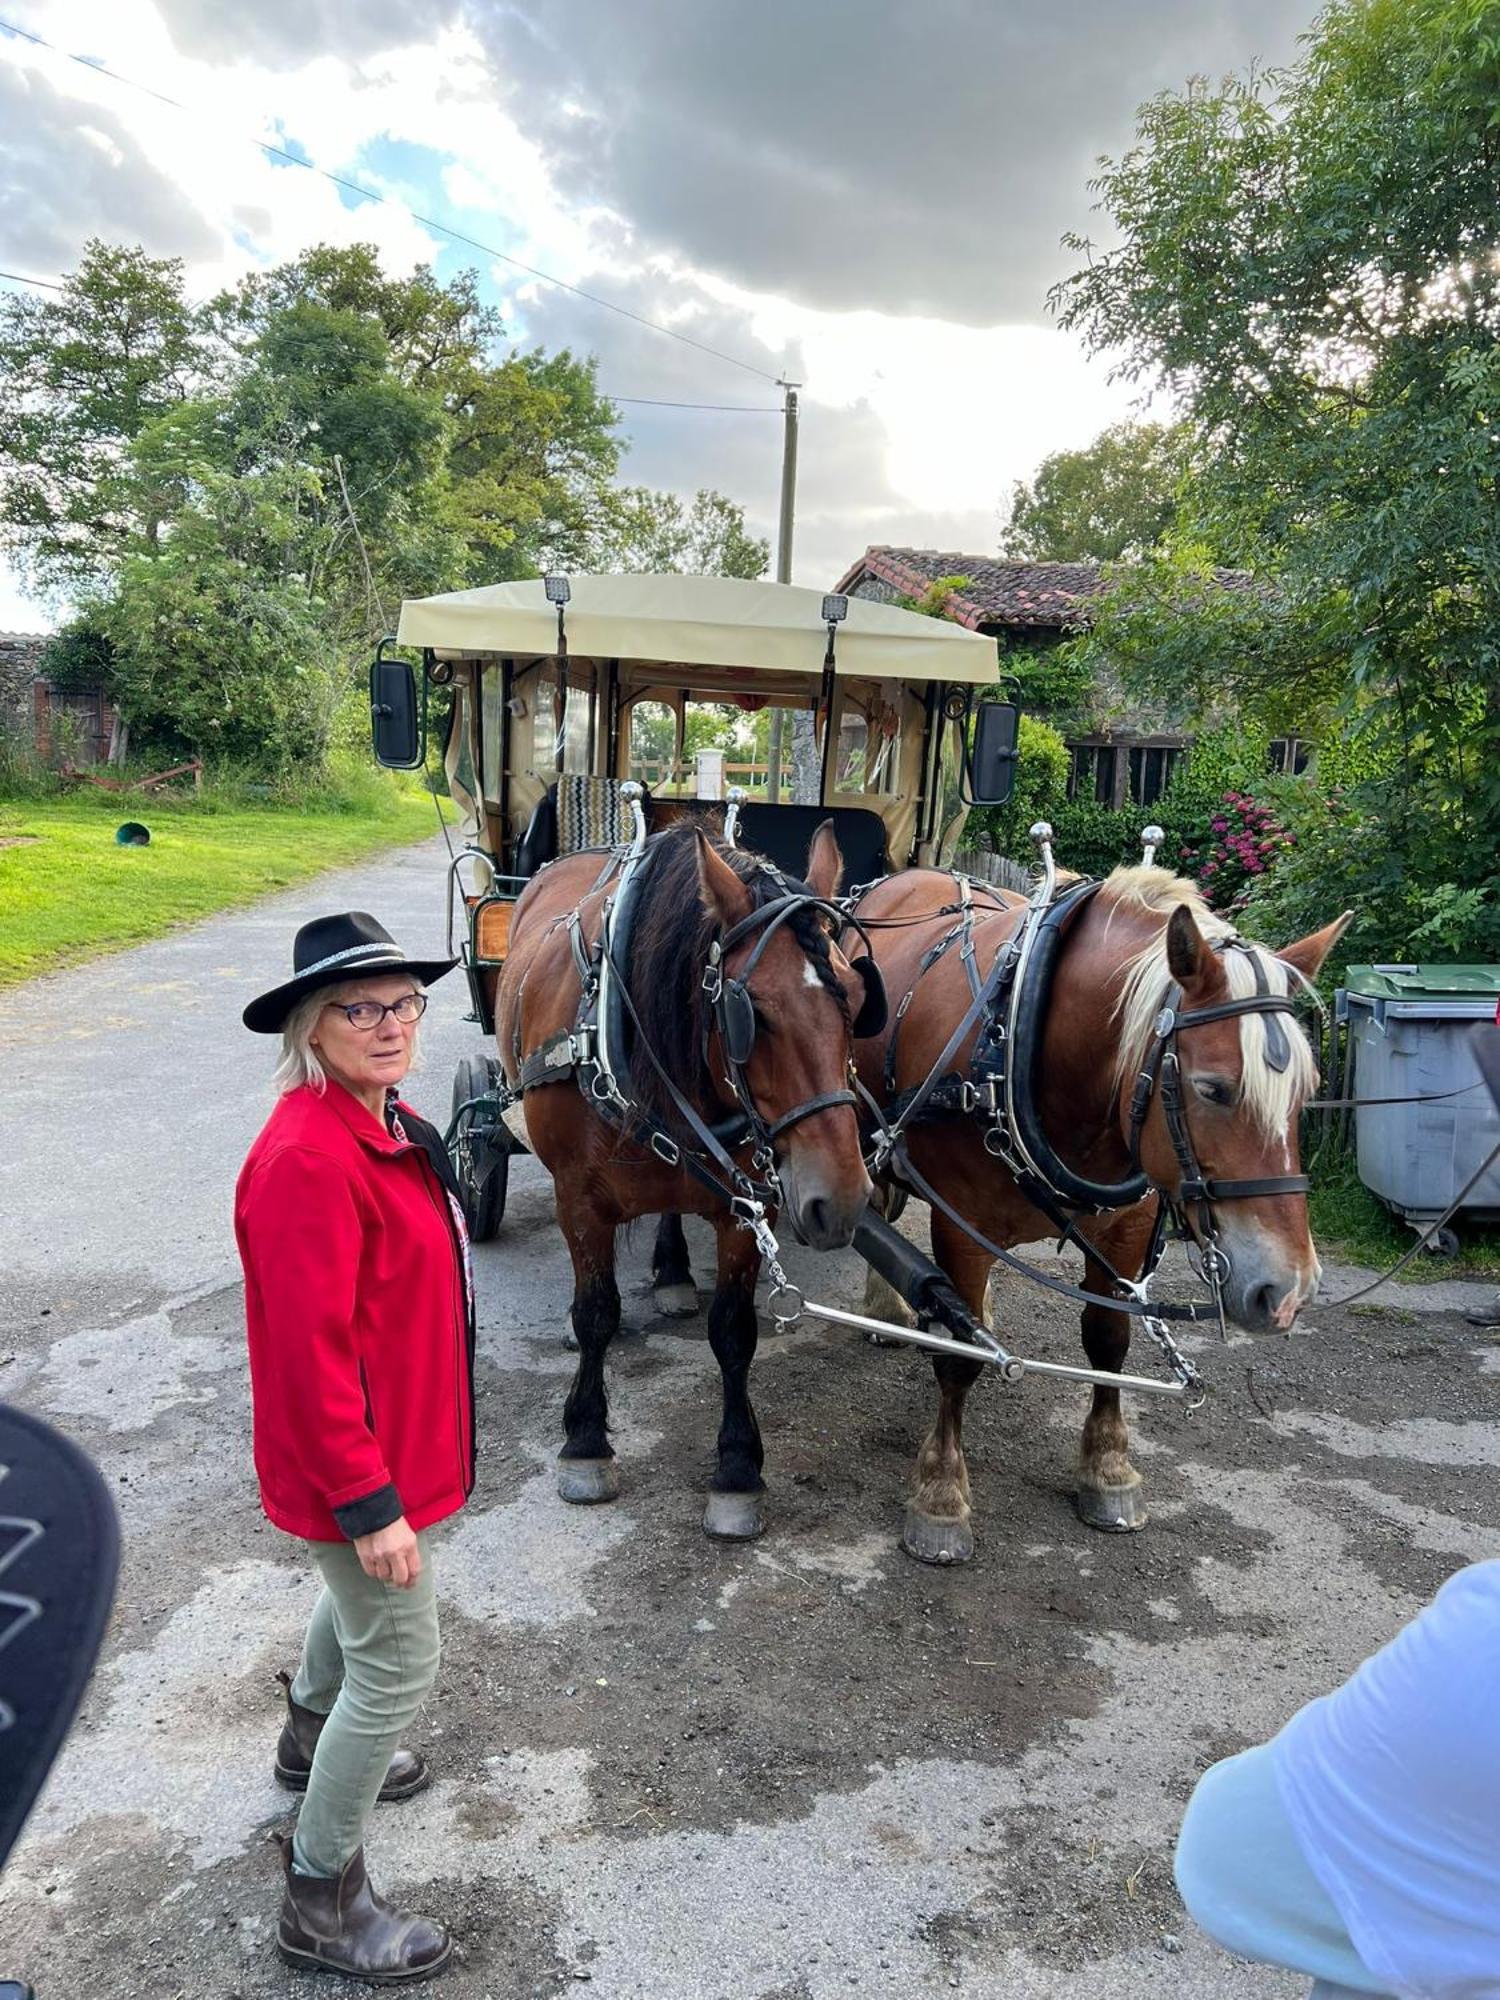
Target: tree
<point x="657" y="531"/>
<point x="1115" y="498"/>
<point x="1308" y="261"/>
<point x="81" y="376"/>
<point x="215" y="651"/>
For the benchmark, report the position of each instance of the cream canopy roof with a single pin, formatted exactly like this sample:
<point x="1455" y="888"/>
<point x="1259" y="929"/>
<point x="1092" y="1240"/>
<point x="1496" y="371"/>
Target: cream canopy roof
<point x="700" y="621"/>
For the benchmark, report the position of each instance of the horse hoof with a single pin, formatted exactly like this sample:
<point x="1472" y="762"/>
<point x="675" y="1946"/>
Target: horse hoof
<point x="1116" y="1510"/>
<point x="734" y="1517"/>
<point x="584" y="1482"/>
<point x="675" y="1301"/>
<point x="932" y="1540"/>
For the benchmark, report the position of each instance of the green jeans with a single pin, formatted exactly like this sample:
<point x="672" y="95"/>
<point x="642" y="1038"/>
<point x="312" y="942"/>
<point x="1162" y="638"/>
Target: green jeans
<point x="370" y="1657"/>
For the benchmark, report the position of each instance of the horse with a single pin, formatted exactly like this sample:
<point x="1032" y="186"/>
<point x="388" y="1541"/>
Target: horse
<point x="744" y="1007"/>
<point x="1239" y="1078"/>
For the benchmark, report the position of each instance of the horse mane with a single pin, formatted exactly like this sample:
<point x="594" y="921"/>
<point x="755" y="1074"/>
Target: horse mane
<point x="1271" y="1097"/>
<point x="668" y="952"/>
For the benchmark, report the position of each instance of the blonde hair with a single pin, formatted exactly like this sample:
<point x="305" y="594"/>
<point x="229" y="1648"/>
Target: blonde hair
<point x="1271" y="1097"/>
<point x="298" y="1065"/>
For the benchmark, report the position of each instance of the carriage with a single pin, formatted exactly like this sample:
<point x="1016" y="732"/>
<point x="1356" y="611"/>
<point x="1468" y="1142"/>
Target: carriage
<point x="568" y="691"/>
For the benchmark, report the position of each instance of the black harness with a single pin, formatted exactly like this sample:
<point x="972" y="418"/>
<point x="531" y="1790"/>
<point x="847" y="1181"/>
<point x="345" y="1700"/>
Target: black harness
<point x="1009" y="1004"/>
<point x="606" y="1007"/>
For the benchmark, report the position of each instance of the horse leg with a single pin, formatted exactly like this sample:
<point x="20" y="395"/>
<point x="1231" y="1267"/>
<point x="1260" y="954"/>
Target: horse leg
<point x="1109" y="1487"/>
<point x="882" y="1300"/>
<point x="735" y="1509"/>
<point x="673" y="1293"/>
<point x="586" y="1468"/>
<point x="937" y="1528"/>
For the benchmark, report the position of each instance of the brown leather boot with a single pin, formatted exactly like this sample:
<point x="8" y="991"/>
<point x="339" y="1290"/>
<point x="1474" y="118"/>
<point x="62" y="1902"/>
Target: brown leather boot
<point x="408" y="1772"/>
<point x="337" y="1923"/>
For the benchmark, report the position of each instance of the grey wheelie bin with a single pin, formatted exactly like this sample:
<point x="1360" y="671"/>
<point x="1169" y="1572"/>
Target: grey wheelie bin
<point x="1407" y="1034"/>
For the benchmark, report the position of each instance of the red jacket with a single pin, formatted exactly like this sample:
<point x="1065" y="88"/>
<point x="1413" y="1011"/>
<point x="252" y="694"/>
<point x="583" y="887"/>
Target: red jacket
<point x="360" y="1319"/>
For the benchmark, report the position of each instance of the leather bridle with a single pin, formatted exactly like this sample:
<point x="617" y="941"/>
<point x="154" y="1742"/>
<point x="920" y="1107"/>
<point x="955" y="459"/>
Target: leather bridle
<point x="731" y="1008"/>
<point x="1196" y="1191"/>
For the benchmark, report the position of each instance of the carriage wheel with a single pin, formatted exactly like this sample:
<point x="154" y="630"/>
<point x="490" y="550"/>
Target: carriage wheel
<point x="480" y="1154"/>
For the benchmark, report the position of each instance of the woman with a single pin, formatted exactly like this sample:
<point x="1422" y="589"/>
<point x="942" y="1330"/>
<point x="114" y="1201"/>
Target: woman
<point x="360" y="1317"/>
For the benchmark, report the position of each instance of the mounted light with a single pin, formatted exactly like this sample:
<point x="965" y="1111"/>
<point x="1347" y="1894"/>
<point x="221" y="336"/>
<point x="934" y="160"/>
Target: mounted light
<point x="835" y="608"/>
<point x="558" y="589"/>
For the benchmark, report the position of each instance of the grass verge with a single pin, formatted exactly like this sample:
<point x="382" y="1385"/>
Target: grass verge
<point x="68" y="892"/>
<point x="1350" y="1225"/>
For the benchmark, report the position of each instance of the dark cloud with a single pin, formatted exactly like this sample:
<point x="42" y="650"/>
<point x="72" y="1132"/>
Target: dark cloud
<point x="286" y="33"/>
<point x="914" y="159"/>
<point x="69" y="171"/>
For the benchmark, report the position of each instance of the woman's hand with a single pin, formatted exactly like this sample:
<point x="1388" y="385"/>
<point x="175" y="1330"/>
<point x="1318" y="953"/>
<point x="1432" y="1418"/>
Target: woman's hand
<point x="390" y="1555"/>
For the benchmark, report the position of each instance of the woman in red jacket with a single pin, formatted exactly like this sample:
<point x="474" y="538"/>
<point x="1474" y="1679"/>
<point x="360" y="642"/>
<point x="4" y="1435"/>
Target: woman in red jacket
<point x="360" y="1315"/>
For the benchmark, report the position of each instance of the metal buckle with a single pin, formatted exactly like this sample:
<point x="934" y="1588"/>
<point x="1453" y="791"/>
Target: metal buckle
<point x="666" y="1149"/>
<point x="968" y="1096"/>
<point x="713" y="982"/>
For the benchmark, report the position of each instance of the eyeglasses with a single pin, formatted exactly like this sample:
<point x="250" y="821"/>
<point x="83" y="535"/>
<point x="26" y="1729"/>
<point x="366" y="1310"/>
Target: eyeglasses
<point x="368" y="1014"/>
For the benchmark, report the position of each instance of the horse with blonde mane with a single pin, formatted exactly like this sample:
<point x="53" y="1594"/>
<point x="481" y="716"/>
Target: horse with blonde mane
<point x="1242" y="1074"/>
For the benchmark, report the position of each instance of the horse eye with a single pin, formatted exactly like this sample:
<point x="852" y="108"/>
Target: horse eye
<point x="1212" y="1090"/>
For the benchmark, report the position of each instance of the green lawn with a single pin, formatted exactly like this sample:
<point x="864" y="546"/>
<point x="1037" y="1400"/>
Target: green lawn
<point x="68" y="892"/>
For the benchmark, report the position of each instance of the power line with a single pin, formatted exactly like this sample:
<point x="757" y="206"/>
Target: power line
<point x="96" y="68"/>
<point x="656" y="403"/>
<point x="645" y="402"/>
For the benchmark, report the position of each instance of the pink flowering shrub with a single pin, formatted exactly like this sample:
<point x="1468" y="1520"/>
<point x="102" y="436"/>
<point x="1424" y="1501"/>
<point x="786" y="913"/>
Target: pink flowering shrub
<point x="1243" y="841"/>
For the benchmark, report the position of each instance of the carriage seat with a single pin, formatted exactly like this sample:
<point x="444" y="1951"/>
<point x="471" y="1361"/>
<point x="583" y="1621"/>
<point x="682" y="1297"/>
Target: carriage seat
<point x="576" y="812"/>
<point x="784" y="834"/>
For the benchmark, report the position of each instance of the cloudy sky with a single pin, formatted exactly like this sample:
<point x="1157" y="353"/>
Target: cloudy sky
<point x="864" y="195"/>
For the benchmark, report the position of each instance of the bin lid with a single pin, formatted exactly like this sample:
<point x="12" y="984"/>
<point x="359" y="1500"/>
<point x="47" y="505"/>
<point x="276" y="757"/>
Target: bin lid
<point x="1424" y="982"/>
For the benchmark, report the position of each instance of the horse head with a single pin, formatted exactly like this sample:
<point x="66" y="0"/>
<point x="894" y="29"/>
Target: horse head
<point x="779" y="1036"/>
<point x="1217" y="1131"/>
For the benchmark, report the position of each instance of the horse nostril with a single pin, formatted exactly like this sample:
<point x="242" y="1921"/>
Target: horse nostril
<point x="816" y="1220"/>
<point x="1263" y="1304"/>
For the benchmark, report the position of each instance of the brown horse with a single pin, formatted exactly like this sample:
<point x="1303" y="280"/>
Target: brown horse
<point x="1144" y="931"/>
<point x="789" y="1063"/>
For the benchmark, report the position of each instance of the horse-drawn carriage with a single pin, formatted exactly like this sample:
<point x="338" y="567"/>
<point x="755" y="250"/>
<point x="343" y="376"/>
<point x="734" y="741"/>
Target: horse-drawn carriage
<point x="564" y="691"/>
<point x="688" y="1007"/>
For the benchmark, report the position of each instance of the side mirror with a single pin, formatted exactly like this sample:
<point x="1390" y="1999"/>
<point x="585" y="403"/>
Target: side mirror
<point x="993" y="755"/>
<point x="395" y="713"/>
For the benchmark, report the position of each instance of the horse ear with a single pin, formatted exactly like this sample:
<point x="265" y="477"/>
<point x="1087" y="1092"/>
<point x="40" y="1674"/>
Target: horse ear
<point x="724" y="894"/>
<point x="825" y="864"/>
<point x="1186" y="950"/>
<point x="1307" y="954"/>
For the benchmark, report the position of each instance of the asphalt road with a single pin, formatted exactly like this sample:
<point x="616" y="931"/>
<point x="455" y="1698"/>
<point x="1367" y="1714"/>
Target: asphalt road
<point x="667" y="1768"/>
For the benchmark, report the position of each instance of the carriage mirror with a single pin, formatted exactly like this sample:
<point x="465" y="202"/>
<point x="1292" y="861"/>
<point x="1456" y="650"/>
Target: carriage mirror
<point x="993" y="754"/>
<point x="396" y="716"/>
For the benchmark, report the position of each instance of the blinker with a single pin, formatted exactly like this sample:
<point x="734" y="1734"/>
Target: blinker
<point x="874" y="1009"/>
<point x="737" y="1022"/>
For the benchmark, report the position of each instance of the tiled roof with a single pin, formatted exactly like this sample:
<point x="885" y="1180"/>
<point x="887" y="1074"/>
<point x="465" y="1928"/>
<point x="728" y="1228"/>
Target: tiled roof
<point x="24" y="638"/>
<point x="997" y="593"/>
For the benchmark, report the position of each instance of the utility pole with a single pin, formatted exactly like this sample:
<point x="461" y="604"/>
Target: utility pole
<point x="783" y="566"/>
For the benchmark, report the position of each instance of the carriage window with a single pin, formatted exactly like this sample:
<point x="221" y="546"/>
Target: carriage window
<point x="653" y="746"/>
<point x="541" y="698"/>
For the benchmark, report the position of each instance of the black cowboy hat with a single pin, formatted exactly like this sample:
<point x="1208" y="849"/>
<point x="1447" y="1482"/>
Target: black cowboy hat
<point x="331" y="949"/>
